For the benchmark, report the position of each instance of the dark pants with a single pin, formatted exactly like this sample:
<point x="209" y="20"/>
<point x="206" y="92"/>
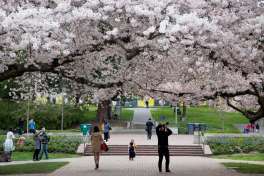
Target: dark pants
<point x="7" y="156"/>
<point x="164" y="151"/>
<point x="44" y="149"/>
<point x="32" y="131"/>
<point x="36" y="154"/>
<point x="106" y="136"/>
<point x="149" y="133"/>
<point x="20" y="130"/>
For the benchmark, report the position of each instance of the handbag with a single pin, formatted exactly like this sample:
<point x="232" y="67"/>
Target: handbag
<point x="104" y="147"/>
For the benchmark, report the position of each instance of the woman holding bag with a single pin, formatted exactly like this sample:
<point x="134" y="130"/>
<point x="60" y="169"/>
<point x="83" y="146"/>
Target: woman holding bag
<point x="96" y="141"/>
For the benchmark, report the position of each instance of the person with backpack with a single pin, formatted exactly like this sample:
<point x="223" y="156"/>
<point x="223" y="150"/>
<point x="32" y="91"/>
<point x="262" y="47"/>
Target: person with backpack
<point x="44" y="143"/>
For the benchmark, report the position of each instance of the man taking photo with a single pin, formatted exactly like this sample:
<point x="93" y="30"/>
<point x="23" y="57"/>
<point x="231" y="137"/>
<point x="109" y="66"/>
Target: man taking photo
<point x="163" y="132"/>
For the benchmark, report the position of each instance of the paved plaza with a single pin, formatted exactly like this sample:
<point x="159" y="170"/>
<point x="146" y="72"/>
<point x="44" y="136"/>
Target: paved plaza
<point x="141" y="115"/>
<point x="142" y="166"/>
<point x="145" y="166"/>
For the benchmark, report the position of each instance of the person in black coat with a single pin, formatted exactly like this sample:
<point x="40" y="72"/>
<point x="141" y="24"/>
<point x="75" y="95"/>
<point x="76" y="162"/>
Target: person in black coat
<point x="20" y="126"/>
<point x="149" y="126"/>
<point x="163" y="132"/>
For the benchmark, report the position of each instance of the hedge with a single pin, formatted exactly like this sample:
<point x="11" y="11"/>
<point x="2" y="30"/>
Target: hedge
<point x="57" y="144"/>
<point x="231" y="145"/>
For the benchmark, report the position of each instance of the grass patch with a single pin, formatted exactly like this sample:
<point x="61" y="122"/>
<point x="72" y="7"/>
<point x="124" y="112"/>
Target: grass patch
<point x="126" y="114"/>
<point x="23" y="156"/>
<point x="246" y="168"/>
<point x="32" y="168"/>
<point x="246" y="157"/>
<point x="203" y="114"/>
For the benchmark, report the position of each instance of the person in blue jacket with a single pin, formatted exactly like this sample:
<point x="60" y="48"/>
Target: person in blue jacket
<point x="107" y="129"/>
<point x="32" y="126"/>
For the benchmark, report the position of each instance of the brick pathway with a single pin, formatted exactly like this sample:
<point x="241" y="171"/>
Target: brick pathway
<point x="144" y="166"/>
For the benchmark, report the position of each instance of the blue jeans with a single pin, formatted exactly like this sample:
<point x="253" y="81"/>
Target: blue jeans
<point x="44" y="149"/>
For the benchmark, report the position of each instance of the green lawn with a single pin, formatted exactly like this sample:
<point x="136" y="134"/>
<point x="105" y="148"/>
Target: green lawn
<point x="247" y="157"/>
<point x="126" y="114"/>
<point x="246" y="168"/>
<point x="90" y="115"/>
<point x="206" y="115"/>
<point x="32" y="168"/>
<point x="22" y="156"/>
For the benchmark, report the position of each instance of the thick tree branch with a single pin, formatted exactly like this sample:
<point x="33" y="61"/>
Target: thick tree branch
<point x="16" y="69"/>
<point x="179" y="94"/>
<point x="230" y="94"/>
<point x="235" y="108"/>
<point x="88" y="82"/>
<point x="252" y="116"/>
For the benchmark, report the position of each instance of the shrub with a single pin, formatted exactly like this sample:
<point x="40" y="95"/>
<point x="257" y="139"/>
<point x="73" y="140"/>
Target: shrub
<point x="57" y="144"/>
<point x="231" y="145"/>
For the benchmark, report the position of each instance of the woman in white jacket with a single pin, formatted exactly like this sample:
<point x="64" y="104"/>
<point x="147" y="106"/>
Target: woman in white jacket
<point x="8" y="144"/>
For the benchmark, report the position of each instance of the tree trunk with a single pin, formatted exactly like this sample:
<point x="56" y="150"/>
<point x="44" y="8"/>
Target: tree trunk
<point x="104" y="111"/>
<point x="77" y="100"/>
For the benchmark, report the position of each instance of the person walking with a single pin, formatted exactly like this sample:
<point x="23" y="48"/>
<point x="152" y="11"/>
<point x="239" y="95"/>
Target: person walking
<point x="9" y="146"/>
<point x="107" y="129"/>
<point x="96" y="141"/>
<point x="32" y="126"/>
<point x="37" y="146"/>
<point x="149" y="126"/>
<point x="44" y="143"/>
<point x="163" y="132"/>
<point x="147" y="104"/>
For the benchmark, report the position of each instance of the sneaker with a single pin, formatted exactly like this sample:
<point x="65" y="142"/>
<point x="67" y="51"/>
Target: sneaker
<point x="168" y="171"/>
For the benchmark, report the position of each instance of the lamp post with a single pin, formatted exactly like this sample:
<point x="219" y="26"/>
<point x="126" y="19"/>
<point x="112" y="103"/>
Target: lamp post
<point x="62" y="112"/>
<point x="176" y="115"/>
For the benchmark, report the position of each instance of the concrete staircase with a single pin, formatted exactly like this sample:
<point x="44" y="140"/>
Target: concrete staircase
<point x="151" y="150"/>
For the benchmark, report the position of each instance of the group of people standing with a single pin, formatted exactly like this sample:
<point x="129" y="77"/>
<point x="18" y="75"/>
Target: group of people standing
<point x="251" y="128"/>
<point x="31" y="126"/>
<point x="41" y="140"/>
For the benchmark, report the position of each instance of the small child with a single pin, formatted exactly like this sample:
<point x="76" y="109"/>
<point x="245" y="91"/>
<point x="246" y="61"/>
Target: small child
<point x="131" y="150"/>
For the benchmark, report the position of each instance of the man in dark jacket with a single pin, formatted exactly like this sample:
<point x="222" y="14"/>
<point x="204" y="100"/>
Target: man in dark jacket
<point x="44" y="143"/>
<point x="149" y="126"/>
<point x="163" y="132"/>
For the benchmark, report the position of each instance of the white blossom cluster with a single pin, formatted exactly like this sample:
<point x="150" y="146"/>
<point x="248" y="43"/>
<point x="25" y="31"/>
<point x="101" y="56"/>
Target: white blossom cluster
<point x="192" y="47"/>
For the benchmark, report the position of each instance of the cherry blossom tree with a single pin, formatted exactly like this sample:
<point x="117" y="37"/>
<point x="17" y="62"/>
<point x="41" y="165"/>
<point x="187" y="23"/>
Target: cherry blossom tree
<point x="197" y="49"/>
